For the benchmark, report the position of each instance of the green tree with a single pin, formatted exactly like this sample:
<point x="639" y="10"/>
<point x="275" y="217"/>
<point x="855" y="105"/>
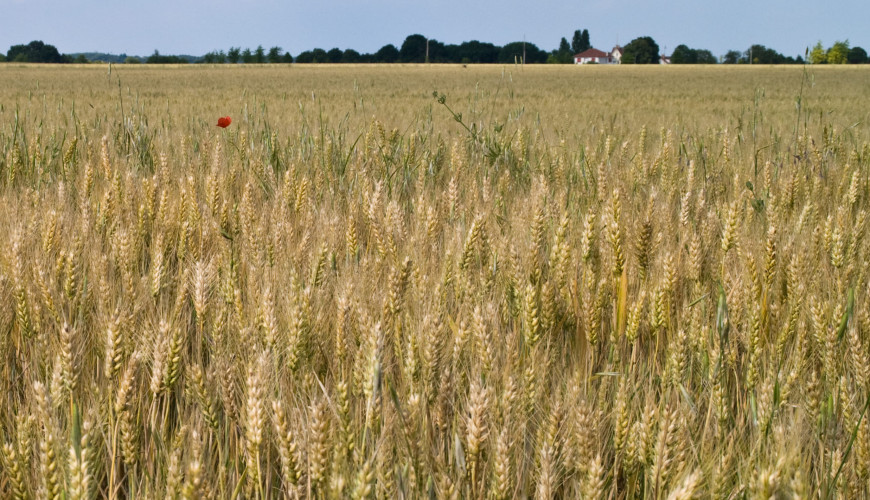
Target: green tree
<point x="838" y="53"/>
<point x="818" y="54"/>
<point x="287" y="58"/>
<point x="35" y="52"/>
<point x="575" y="42"/>
<point x="731" y="57"/>
<point x="305" y="57"/>
<point x="157" y="58"/>
<point x="413" y="49"/>
<point x="705" y="57"/>
<point x="260" y="55"/>
<point x="387" y="54"/>
<point x="350" y="56"/>
<point x="513" y="52"/>
<point x="320" y="56"/>
<point x="477" y="52"/>
<point x="563" y="54"/>
<point x="274" y="55"/>
<point x="449" y="53"/>
<point x="247" y="56"/>
<point x="438" y="52"/>
<point x="857" y="55"/>
<point x="580" y="41"/>
<point x="759" y="54"/>
<point x="81" y="59"/>
<point x="2" y="57"/>
<point x="684" y="55"/>
<point x="334" y="55"/>
<point x="154" y="58"/>
<point x="132" y="60"/>
<point x="643" y="50"/>
<point x="234" y="54"/>
<point x="214" y="57"/>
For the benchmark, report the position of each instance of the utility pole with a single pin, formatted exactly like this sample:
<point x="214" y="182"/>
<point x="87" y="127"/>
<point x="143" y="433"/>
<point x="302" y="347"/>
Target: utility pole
<point x="524" y="49"/>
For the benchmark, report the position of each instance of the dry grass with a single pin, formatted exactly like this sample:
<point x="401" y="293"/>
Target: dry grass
<point x="620" y="283"/>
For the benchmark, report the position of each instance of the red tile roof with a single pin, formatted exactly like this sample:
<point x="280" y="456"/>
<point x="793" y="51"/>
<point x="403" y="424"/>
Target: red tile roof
<point x="589" y="53"/>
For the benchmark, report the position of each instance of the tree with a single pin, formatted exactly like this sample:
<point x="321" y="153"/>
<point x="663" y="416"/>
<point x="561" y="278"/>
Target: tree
<point x="839" y="53"/>
<point x="81" y="59"/>
<point x="387" y="54"/>
<point x="413" y="49"/>
<point x="731" y="57"/>
<point x="312" y="56"/>
<point x="247" y="56"/>
<point x="35" y="52"/>
<point x="274" y="55"/>
<point x="563" y="54"/>
<point x="447" y="52"/>
<point x="477" y="52"/>
<point x="857" y="55"/>
<point x="157" y="58"/>
<point x="585" y="44"/>
<point x="287" y="58"/>
<point x="759" y="54"/>
<point x="233" y="55"/>
<point x="643" y="50"/>
<point x="305" y="57"/>
<point x="350" y="56"/>
<point x="334" y="55"/>
<point x="577" y="42"/>
<point x="438" y="52"/>
<point x="705" y="57"/>
<point x="684" y="55"/>
<point x="154" y="58"/>
<point x="260" y="55"/>
<point x="513" y="52"/>
<point x="320" y="55"/>
<point x="132" y="60"/>
<point x="818" y="54"/>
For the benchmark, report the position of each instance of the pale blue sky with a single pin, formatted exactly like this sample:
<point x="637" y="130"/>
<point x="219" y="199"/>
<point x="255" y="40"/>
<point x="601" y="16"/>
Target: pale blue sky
<point x="198" y="26"/>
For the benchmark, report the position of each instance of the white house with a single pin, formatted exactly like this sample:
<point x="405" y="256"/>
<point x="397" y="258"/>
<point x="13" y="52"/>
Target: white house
<point x="616" y="53"/>
<point x="594" y="56"/>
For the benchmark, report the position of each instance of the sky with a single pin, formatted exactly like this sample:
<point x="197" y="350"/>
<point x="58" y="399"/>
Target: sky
<point x="198" y="26"/>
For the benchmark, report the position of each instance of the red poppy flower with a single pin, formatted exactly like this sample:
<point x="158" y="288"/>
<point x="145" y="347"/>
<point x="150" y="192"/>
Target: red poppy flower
<point x="224" y="121"/>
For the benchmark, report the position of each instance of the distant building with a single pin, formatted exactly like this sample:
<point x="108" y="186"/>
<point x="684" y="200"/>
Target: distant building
<point x="616" y="54"/>
<point x="594" y="56"/>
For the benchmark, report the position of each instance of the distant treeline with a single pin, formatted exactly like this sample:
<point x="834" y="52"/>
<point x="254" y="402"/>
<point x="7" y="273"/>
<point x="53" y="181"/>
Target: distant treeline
<point x="419" y="49"/>
<point x="36" y="51"/>
<point x="415" y="49"/>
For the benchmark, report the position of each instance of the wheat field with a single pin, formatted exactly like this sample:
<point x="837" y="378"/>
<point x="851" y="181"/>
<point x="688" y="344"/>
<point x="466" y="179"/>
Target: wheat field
<point x="434" y="282"/>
